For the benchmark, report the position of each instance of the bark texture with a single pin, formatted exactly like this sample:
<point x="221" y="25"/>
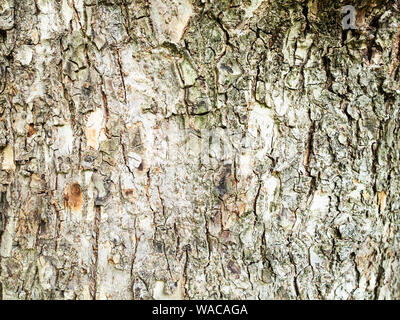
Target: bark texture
<point x="105" y="192"/>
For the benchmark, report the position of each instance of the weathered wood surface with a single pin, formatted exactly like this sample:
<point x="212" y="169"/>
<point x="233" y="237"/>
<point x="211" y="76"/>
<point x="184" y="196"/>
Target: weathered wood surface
<point x="110" y="190"/>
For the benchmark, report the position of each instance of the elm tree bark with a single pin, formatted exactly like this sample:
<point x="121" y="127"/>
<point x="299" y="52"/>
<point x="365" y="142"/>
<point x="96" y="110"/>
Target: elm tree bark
<point x="114" y="183"/>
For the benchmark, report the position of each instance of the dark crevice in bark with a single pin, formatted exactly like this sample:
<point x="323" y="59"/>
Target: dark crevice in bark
<point x="94" y="269"/>
<point x="132" y="273"/>
<point x="295" y="284"/>
<point x="379" y="279"/>
<point x="309" y="146"/>
<point x="121" y="73"/>
<point x="3" y="224"/>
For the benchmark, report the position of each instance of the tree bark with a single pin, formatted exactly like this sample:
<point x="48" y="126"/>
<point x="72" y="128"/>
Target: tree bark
<point x="178" y="149"/>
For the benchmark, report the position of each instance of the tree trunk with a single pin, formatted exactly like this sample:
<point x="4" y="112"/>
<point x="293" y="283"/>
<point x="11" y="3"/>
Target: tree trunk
<point x="178" y="149"/>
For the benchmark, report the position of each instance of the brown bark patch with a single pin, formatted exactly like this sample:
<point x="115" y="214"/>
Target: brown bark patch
<point x="91" y="136"/>
<point x="143" y="168"/>
<point x="8" y="163"/>
<point x="381" y="201"/>
<point x="130" y="194"/>
<point x="31" y="130"/>
<point x="234" y="269"/>
<point x="73" y="197"/>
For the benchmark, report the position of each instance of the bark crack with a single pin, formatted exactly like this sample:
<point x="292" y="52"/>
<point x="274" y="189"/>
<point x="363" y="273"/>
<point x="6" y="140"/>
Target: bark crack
<point x="94" y="271"/>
